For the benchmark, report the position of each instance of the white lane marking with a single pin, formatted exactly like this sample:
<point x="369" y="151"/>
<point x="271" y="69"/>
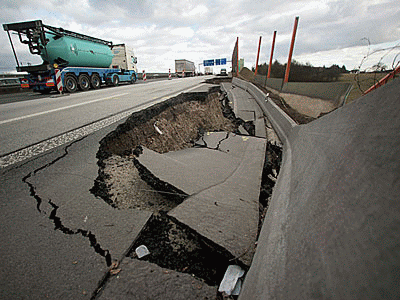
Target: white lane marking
<point x="34" y="150"/>
<point x="184" y="91"/>
<point x="58" y="109"/>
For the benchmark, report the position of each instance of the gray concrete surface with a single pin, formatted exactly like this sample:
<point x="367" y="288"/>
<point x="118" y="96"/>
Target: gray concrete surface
<point x="332" y="91"/>
<point x="223" y="181"/>
<point x="227" y="212"/>
<point x="280" y="121"/>
<point x="67" y="182"/>
<point x="195" y="169"/>
<point x="38" y="259"/>
<point x="139" y="280"/>
<point x="245" y="107"/>
<point x="332" y="230"/>
<point x="36" y="120"/>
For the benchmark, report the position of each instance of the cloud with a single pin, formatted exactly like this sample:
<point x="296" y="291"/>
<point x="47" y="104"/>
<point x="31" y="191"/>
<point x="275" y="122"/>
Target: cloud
<point x="162" y="31"/>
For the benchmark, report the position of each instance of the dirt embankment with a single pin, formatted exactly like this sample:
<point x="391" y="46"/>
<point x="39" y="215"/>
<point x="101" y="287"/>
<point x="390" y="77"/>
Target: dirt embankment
<point x="301" y="109"/>
<point x="169" y="126"/>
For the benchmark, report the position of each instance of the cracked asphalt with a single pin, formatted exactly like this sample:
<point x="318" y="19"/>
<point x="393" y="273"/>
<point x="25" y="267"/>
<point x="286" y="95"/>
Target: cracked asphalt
<point x="58" y="239"/>
<point x="58" y="242"/>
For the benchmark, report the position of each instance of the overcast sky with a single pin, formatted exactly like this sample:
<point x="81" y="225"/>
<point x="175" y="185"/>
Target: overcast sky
<point x="329" y="31"/>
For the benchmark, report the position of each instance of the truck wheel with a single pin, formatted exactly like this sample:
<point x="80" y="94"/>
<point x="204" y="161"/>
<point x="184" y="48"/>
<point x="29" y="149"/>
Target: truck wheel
<point x="133" y="78"/>
<point x="70" y="83"/>
<point x="95" y="81"/>
<point x="83" y="82"/>
<point x="115" y="80"/>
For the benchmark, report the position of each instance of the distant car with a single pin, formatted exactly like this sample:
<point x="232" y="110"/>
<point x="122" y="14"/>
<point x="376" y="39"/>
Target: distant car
<point x="223" y="72"/>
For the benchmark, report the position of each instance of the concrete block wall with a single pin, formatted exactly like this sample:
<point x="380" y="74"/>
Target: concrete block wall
<point x="332" y="230"/>
<point x="333" y="91"/>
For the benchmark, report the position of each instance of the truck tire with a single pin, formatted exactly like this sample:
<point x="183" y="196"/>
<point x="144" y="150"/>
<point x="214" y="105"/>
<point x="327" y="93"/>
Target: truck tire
<point x="133" y="78"/>
<point x="115" y="80"/>
<point x="95" y="81"/>
<point x="84" y="82"/>
<point x="70" y="83"/>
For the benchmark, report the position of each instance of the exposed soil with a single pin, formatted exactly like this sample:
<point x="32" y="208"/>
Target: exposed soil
<point x="298" y="117"/>
<point x="125" y="189"/>
<point x="170" y="126"/>
<point x="272" y="165"/>
<point x="177" y="247"/>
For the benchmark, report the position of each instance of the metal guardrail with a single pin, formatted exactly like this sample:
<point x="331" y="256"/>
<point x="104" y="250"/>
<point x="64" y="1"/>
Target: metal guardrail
<point x="283" y="126"/>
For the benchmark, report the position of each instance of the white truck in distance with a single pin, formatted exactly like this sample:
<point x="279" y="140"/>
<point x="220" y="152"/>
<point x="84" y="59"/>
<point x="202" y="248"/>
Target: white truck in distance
<point x="185" y="67"/>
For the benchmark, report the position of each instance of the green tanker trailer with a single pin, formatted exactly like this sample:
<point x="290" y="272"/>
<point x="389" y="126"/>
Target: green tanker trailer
<point x="81" y="61"/>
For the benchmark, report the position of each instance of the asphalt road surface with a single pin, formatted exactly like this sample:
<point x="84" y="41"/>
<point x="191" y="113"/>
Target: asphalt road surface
<point x="29" y="122"/>
<point x="57" y="239"/>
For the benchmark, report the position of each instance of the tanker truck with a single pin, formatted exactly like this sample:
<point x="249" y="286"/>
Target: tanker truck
<point x="80" y="61"/>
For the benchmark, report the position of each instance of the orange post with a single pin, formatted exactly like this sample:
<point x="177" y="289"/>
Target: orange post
<point x="291" y="51"/>
<point x="258" y="55"/>
<point x="237" y="57"/>
<point x="272" y="55"/>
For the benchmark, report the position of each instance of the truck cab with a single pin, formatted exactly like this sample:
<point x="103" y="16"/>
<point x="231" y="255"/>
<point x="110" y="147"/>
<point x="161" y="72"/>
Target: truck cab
<point x="123" y="58"/>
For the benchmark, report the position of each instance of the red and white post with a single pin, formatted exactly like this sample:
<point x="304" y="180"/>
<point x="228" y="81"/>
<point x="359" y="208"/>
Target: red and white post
<point x="144" y="76"/>
<point x="58" y="81"/>
<point x="183" y="73"/>
<point x="169" y="74"/>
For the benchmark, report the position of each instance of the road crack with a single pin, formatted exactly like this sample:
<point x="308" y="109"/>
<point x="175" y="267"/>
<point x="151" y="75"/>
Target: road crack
<point x="58" y="225"/>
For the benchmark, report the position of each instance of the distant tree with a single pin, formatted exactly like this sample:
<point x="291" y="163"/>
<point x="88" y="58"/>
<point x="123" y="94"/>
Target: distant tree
<point x="379" y="67"/>
<point x="300" y="72"/>
<point x="262" y="69"/>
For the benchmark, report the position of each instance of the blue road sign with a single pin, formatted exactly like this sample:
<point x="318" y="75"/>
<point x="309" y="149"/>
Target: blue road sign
<point x="208" y="62"/>
<point x="212" y="62"/>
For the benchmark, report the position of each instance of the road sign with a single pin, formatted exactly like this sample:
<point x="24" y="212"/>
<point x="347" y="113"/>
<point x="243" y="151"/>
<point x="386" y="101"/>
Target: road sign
<point x="220" y="61"/>
<point x="212" y="62"/>
<point x="208" y="62"/>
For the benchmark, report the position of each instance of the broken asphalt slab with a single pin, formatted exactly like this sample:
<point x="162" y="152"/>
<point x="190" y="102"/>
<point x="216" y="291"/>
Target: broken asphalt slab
<point x="194" y="169"/>
<point x="245" y="107"/>
<point x="56" y="236"/>
<point x="223" y="184"/>
<point x="143" y="280"/>
<point x="66" y="184"/>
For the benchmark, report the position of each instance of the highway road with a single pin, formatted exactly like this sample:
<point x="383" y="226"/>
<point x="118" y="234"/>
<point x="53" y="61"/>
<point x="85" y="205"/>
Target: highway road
<point x="58" y="239"/>
<point x="28" y="122"/>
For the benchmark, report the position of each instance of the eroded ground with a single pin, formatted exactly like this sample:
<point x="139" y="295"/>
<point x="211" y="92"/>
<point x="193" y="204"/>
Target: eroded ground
<point x="178" y="123"/>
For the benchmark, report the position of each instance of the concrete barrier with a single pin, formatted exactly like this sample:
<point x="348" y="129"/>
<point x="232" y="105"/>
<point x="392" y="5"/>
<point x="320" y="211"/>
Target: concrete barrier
<point x="332" y="230"/>
<point x="280" y="121"/>
<point x="332" y="91"/>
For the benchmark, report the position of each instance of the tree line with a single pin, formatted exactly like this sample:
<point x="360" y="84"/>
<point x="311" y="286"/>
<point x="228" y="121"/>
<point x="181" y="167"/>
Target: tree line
<point x="303" y="72"/>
